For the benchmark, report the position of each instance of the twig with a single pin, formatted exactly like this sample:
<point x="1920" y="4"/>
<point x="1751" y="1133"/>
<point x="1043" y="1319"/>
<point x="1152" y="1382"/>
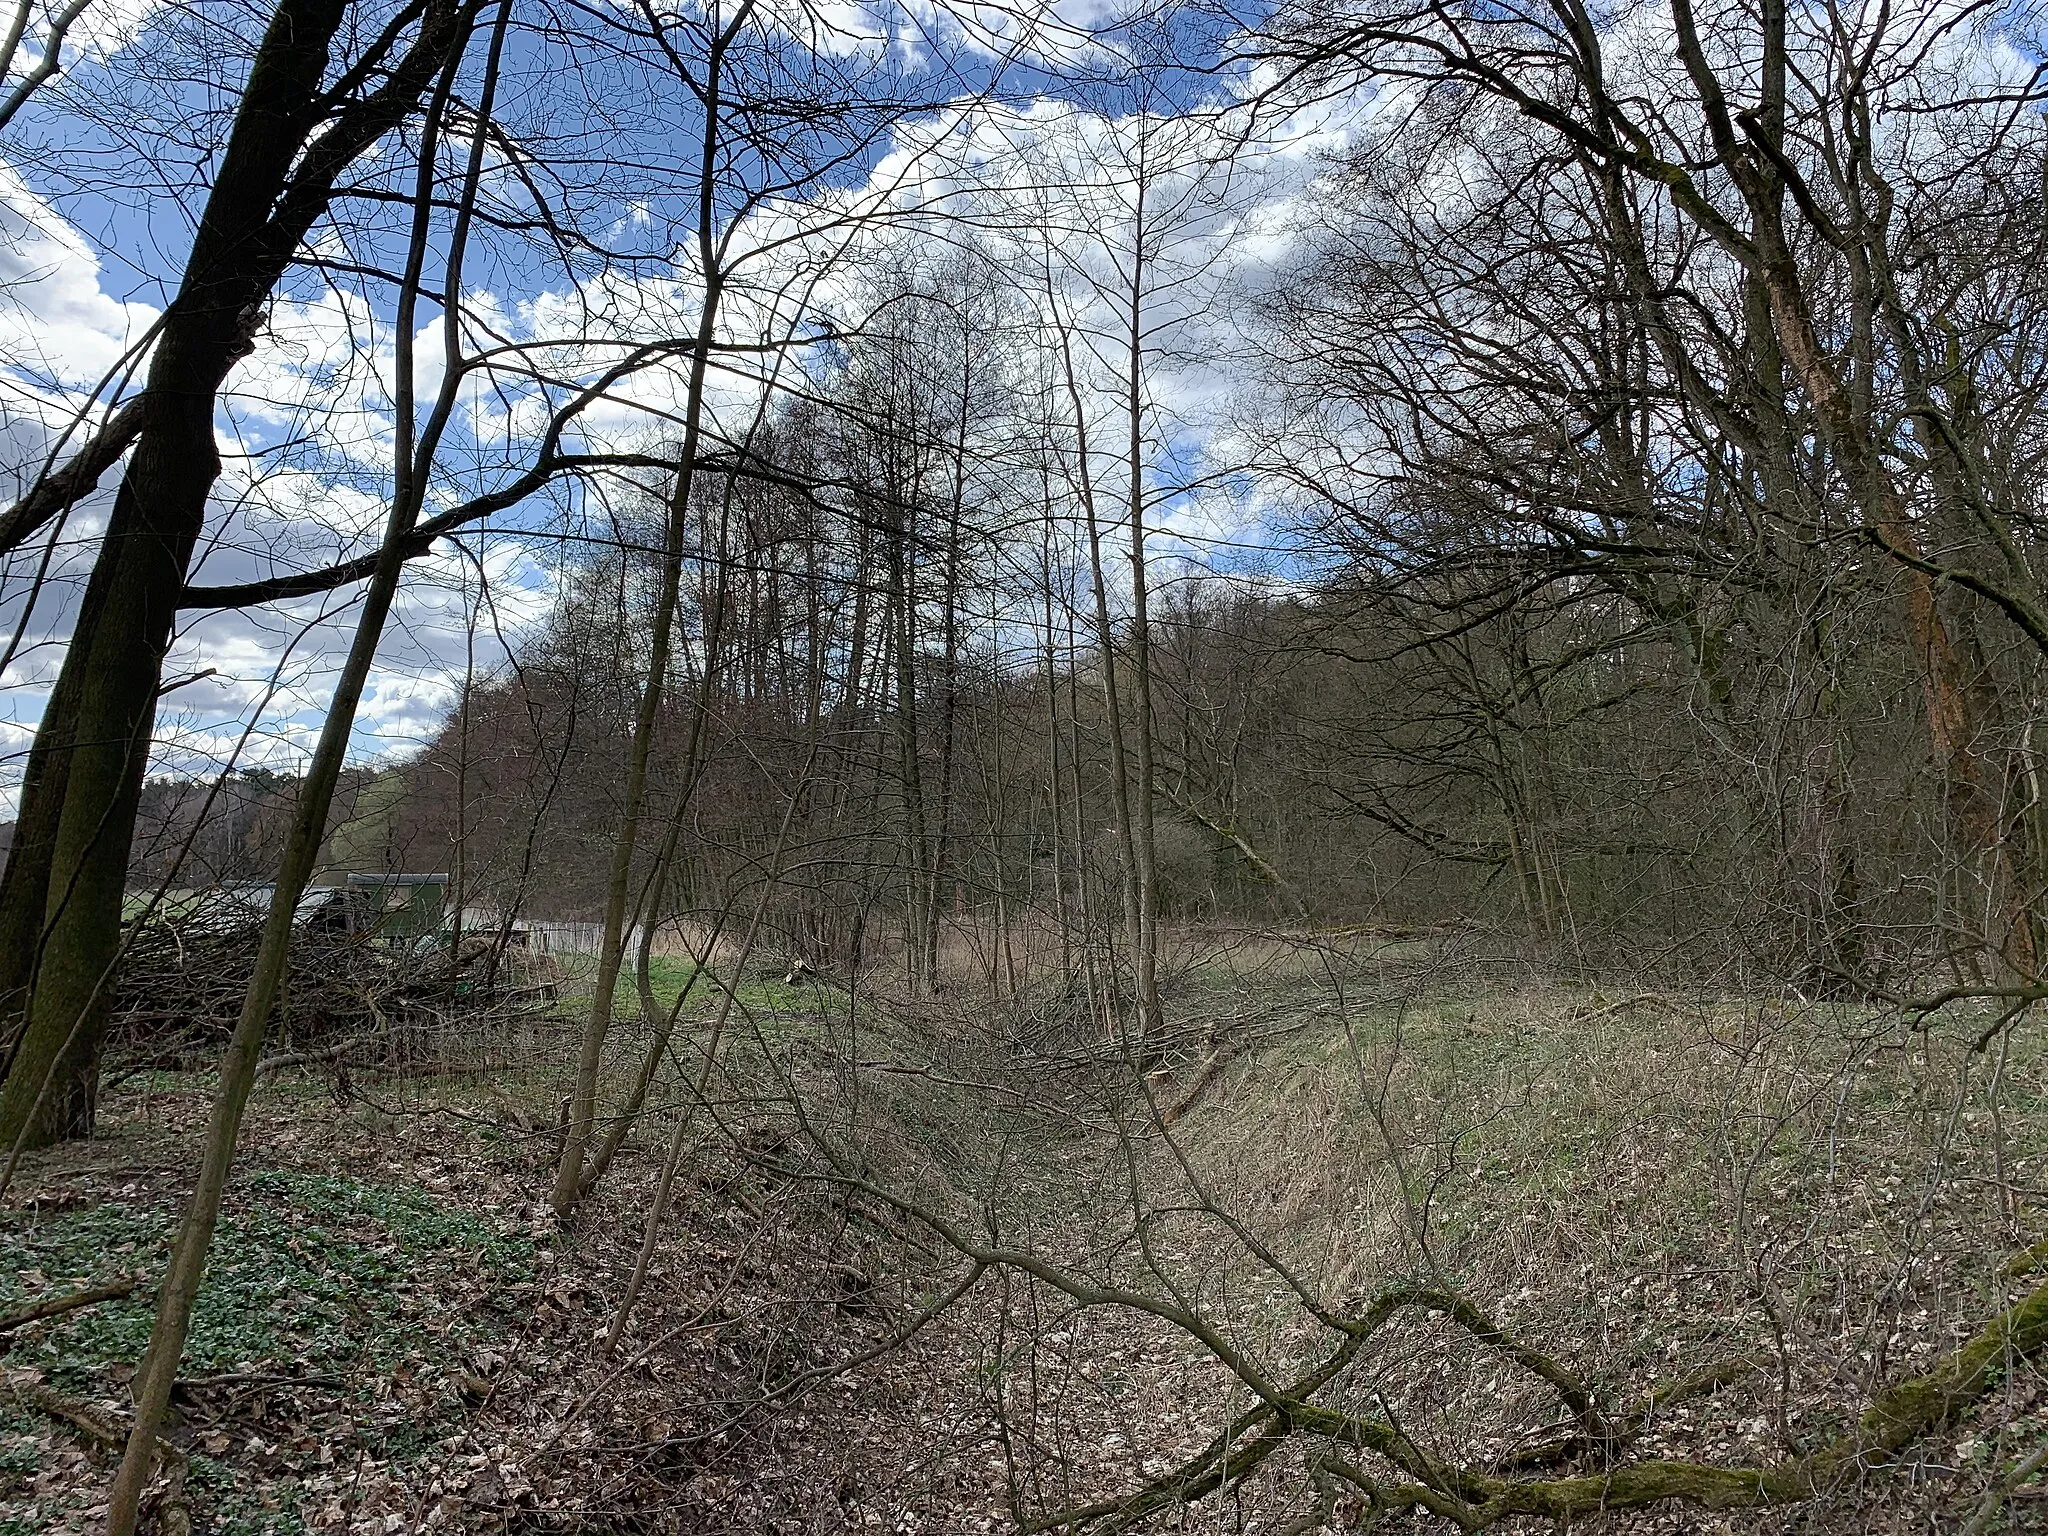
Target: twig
<point x="2000" y="1491"/>
<point x="258" y="1379"/>
<point x="333" y="1052"/>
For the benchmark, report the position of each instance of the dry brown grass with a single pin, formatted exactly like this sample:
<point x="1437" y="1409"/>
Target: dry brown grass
<point x="1641" y="1185"/>
<point x="1637" y="1184"/>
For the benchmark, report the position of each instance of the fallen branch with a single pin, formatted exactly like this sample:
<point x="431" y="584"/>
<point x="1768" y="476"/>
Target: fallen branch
<point x="2027" y="1261"/>
<point x="57" y="1306"/>
<point x="1474" y="1500"/>
<point x="109" y="1434"/>
<point x="1638" y="1418"/>
<point x="2000" y="1491"/>
<point x="1218" y="1057"/>
<point x="322" y="1057"/>
<point x="95" y="1425"/>
<point x="1622" y="1005"/>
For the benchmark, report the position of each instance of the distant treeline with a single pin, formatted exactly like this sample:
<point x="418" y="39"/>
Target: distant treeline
<point x="1329" y="754"/>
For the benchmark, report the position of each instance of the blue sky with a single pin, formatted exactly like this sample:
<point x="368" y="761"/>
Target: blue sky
<point x="1029" y="157"/>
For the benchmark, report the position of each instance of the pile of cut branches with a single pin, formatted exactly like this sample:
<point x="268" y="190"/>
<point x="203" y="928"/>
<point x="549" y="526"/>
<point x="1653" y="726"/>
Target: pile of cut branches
<point x="180" y="989"/>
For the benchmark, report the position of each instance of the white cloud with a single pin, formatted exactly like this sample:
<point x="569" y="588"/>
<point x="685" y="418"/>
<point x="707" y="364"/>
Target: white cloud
<point x="1045" y="191"/>
<point x="61" y="333"/>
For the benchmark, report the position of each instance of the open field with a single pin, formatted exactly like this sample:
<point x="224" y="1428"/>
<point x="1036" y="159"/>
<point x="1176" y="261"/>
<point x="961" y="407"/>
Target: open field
<point x="1734" y="1220"/>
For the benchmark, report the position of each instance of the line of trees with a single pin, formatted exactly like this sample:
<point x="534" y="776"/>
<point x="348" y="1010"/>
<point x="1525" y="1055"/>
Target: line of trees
<point x="1642" y="441"/>
<point x="1651" y="493"/>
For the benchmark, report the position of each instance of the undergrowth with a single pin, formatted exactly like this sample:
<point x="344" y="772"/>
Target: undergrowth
<point x="319" y="1284"/>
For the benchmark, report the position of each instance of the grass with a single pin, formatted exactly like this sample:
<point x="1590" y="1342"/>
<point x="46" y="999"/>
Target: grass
<point x="1639" y="1185"/>
<point x="667" y="977"/>
<point x="1723" y="1155"/>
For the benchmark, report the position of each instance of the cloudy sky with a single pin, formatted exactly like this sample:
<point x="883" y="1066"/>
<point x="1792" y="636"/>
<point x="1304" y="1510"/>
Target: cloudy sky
<point x="1027" y="147"/>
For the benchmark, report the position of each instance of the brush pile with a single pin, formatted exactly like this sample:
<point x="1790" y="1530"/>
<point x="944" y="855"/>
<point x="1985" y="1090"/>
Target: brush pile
<point x="347" y="996"/>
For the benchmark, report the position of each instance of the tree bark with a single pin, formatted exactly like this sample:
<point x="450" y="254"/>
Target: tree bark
<point x="275" y="177"/>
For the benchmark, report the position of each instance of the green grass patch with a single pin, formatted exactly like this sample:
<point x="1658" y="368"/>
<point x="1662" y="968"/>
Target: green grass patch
<point x="768" y="994"/>
<point x="668" y="976"/>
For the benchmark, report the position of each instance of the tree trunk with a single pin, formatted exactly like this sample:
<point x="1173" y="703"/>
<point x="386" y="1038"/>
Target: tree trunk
<point x="114" y="663"/>
<point x="79" y="815"/>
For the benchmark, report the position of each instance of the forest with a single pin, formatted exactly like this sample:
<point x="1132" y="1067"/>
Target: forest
<point x="1083" y="766"/>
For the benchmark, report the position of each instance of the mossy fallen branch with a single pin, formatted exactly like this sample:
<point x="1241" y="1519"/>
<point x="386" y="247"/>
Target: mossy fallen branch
<point x="96" y="1425"/>
<point x="1472" y="1499"/>
<point x="2028" y="1261"/>
<point x="1633" y="1422"/>
<point x="1469" y="1497"/>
